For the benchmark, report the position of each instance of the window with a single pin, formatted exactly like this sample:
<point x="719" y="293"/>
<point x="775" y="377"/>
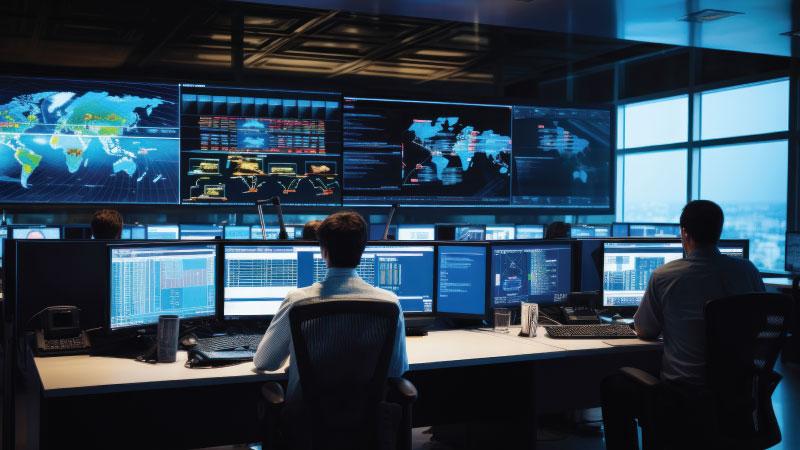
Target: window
<point x="745" y="110"/>
<point x="749" y="181"/>
<point x="663" y="121"/>
<point x="654" y="186"/>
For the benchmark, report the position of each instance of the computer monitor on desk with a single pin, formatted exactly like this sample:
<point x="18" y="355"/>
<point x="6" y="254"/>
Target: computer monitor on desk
<point x="258" y="277"/>
<point x="237" y="232"/>
<point x="147" y="281"/>
<point x="737" y="248"/>
<point x="204" y="232"/>
<point x="628" y="265"/>
<point x="582" y="230"/>
<point x="461" y="290"/>
<point x="163" y="232"/>
<point x="416" y="232"/>
<point x="530" y="232"/>
<point x="272" y="231"/>
<point x="539" y="272"/>
<point x="500" y="232"/>
<point x="470" y="233"/>
<point x="135" y="232"/>
<point x="654" y="230"/>
<point x="793" y="252"/>
<point x="36" y="233"/>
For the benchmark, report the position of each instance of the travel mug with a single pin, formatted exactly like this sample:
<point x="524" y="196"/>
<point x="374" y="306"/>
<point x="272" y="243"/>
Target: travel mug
<point x="167" y="338"/>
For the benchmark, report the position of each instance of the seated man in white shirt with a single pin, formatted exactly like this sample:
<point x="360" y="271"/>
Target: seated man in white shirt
<point x="342" y="238"/>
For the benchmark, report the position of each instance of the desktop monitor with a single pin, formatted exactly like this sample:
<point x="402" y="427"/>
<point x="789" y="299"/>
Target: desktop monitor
<point x="620" y="230"/>
<point x="500" y="232"/>
<point x="654" y="230"/>
<point x="459" y="292"/>
<point x="36" y="233"/>
<point x="163" y="232"/>
<point x="416" y="232"/>
<point x="628" y="265"/>
<point x="470" y="233"/>
<point x="272" y="232"/>
<point x="793" y="252"/>
<point x="738" y="248"/>
<point x="137" y="232"/>
<point x="237" y="232"/>
<point x="530" y="232"/>
<point x="258" y="277"/>
<point x="200" y="232"/>
<point x="152" y="280"/>
<point x="582" y="230"/>
<point x="539" y="272"/>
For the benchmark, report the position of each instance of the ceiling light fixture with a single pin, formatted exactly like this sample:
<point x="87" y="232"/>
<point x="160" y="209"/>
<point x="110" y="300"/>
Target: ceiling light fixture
<point x="709" y="15"/>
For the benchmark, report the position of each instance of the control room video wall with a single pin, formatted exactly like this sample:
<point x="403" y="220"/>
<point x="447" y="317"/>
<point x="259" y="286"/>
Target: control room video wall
<point x="111" y="142"/>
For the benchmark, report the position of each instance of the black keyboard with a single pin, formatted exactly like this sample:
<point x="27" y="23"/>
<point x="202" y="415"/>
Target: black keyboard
<point x="590" y="331"/>
<point x="244" y="342"/>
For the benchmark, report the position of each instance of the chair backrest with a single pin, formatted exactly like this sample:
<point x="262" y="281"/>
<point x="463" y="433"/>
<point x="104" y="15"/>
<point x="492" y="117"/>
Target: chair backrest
<point x="343" y="350"/>
<point x="745" y="334"/>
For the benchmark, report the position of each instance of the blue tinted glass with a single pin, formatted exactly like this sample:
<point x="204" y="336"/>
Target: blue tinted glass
<point x="749" y="181"/>
<point x="663" y="121"/>
<point x="654" y="186"/>
<point x="752" y="109"/>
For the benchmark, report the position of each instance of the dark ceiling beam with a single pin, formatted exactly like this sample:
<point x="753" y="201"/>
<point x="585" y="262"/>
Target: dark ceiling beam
<point x="428" y="33"/>
<point x="310" y="27"/>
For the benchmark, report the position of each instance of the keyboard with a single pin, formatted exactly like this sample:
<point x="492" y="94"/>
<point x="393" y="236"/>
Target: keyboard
<point x="590" y="331"/>
<point x="245" y="342"/>
<point x="62" y="346"/>
<point x="230" y="355"/>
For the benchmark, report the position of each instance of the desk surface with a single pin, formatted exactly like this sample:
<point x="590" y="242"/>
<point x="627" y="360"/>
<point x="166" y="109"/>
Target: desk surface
<point x="81" y="375"/>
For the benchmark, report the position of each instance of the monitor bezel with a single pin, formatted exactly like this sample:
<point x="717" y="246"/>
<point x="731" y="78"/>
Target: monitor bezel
<point x="571" y="243"/>
<point x="786" y="266"/>
<point x="486" y="294"/>
<point x="12" y="228"/>
<point x="154" y="244"/>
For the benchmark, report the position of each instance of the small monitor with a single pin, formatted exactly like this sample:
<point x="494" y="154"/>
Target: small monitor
<point x="793" y="252"/>
<point x="654" y="230"/>
<point x="582" y="230"/>
<point x="530" y="232"/>
<point x="153" y="280"/>
<point x="737" y="248"/>
<point x="36" y="233"/>
<point x="459" y="291"/>
<point x="405" y="270"/>
<point x="500" y="232"/>
<point x="627" y="267"/>
<point x="237" y="232"/>
<point x="136" y="232"/>
<point x="620" y="230"/>
<point x="470" y="233"/>
<point x="200" y="232"/>
<point x="416" y="232"/>
<point x="162" y="232"/>
<point x="530" y="272"/>
<point x="272" y="232"/>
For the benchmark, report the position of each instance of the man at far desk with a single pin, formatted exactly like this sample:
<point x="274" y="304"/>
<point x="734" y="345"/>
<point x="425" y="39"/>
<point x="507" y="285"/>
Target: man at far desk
<point x="342" y="238"/>
<point x="672" y="306"/>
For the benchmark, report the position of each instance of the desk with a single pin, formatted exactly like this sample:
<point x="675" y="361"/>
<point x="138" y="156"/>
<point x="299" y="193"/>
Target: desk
<point x="100" y="399"/>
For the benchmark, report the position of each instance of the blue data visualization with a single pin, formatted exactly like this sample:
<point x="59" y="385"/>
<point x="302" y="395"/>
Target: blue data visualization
<point x="69" y="141"/>
<point x="147" y="282"/>
<point x="540" y="273"/>
<point x="462" y="286"/>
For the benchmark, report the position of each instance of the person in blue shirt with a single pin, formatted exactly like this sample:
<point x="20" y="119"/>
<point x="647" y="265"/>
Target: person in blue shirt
<point x="342" y="238"/>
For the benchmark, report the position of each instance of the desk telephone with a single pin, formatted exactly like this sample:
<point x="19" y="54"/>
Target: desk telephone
<point x="61" y="333"/>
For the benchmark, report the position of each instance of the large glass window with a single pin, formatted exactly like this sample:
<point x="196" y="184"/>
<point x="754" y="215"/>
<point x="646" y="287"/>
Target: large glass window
<point x="657" y="122"/>
<point x="749" y="181"/>
<point x="654" y="186"/>
<point x="745" y="110"/>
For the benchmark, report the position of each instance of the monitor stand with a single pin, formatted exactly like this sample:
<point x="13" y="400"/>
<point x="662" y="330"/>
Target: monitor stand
<point x="418" y="326"/>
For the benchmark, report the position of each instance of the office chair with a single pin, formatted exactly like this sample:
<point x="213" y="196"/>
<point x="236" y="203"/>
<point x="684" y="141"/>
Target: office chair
<point x="343" y="350"/>
<point x="744" y="335"/>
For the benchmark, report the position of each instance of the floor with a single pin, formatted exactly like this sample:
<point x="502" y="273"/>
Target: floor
<point x="786" y="402"/>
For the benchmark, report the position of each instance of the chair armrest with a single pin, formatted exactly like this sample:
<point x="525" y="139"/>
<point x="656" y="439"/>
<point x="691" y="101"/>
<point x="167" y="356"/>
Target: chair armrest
<point x="272" y="393"/>
<point x="402" y="390"/>
<point x="640" y="376"/>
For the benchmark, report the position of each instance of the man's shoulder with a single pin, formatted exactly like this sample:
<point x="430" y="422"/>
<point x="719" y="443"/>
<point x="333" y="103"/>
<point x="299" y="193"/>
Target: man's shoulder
<point x="740" y="264"/>
<point x="377" y="293"/>
<point x="296" y="295"/>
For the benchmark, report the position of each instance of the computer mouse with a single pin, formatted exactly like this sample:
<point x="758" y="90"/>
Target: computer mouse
<point x="188" y="340"/>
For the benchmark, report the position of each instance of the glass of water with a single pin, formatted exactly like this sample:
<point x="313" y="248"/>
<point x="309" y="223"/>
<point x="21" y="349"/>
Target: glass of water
<point x="502" y="319"/>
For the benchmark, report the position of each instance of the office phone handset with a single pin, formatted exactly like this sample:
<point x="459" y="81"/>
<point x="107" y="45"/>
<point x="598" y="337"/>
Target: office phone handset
<point x="61" y="333"/>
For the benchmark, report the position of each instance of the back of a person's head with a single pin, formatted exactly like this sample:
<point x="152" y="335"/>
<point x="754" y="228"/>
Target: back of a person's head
<point x="107" y="224"/>
<point x="310" y="230"/>
<point x="343" y="235"/>
<point x="702" y="220"/>
<point x="557" y="230"/>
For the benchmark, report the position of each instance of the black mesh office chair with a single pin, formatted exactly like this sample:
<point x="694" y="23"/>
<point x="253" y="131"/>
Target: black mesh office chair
<point x="744" y="336"/>
<point x="343" y="351"/>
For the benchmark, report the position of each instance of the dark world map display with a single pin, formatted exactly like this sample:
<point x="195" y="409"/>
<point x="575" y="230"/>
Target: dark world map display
<point x="426" y="153"/>
<point x="65" y="141"/>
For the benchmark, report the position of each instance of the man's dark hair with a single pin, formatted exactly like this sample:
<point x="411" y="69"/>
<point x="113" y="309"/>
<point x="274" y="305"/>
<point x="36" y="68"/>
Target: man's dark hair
<point x="702" y="220"/>
<point x="310" y="230"/>
<point x="107" y="224"/>
<point x="557" y="230"/>
<point x="343" y="235"/>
